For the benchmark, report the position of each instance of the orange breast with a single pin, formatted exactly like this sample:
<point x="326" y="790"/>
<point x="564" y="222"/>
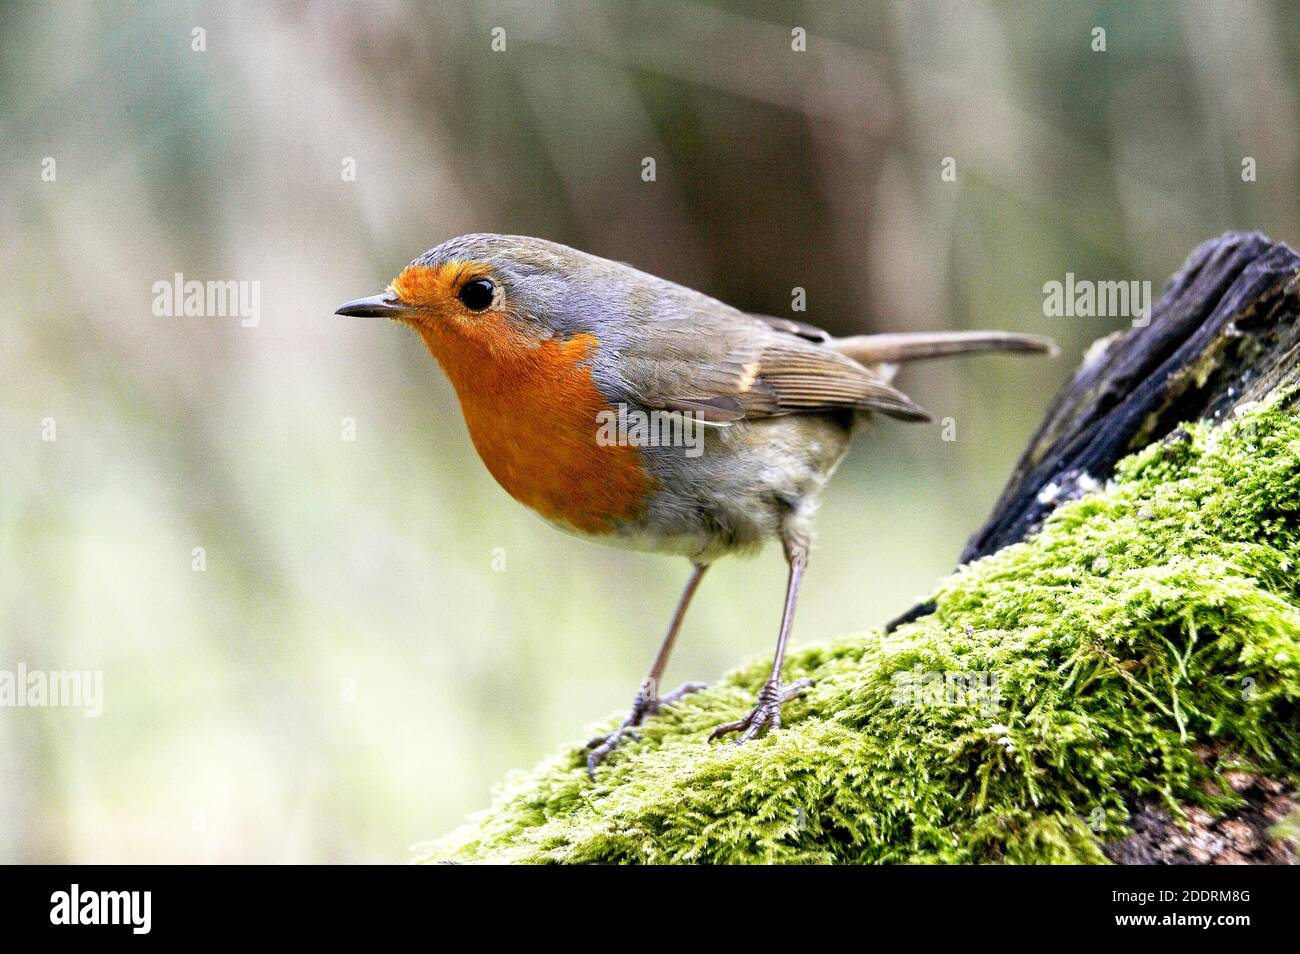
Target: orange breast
<point x="532" y="413"/>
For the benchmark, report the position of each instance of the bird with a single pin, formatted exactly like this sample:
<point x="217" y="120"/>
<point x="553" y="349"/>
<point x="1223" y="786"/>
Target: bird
<point x="632" y="411"/>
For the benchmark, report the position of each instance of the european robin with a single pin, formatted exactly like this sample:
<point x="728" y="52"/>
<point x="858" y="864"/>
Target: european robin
<point x="632" y="411"/>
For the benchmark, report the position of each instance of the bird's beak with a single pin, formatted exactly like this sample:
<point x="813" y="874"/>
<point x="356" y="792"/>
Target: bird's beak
<point x="386" y="305"/>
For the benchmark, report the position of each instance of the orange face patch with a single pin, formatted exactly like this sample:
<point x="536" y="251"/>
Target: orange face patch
<point x="435" y="288"/>
<point x="531" y="405"/>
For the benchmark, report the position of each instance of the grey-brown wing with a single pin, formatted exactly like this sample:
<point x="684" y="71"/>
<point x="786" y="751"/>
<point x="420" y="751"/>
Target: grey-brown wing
<point x="728" y="367"/>
<point x="814" y="378"/>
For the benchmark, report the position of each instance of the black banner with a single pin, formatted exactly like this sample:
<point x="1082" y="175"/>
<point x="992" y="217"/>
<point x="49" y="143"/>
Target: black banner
<point x="334" y="904"/>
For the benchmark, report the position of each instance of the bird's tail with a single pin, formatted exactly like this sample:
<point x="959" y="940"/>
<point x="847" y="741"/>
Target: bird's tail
<point x="919" y="345"/>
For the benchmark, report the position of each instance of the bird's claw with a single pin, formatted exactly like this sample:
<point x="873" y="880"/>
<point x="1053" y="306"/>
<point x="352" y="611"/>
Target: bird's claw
<point x="646" y="704"/>
<point x="767" y="714"/>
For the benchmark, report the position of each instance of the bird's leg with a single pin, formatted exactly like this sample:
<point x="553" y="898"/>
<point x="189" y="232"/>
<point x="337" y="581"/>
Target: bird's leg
<point x="648" y="701"/>
<point x="767" y="714"/>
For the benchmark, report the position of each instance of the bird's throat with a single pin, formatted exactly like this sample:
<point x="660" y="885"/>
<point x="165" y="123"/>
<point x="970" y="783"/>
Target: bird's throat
<point x="533" y="409"/>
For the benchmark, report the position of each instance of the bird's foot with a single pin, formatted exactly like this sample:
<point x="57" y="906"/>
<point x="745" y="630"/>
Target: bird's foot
<point x="767" y="714"/>
<point x="647" y="703"/>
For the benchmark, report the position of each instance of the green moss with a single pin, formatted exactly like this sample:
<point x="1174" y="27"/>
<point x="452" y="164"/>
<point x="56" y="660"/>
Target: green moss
<point x="1141" y="625"/>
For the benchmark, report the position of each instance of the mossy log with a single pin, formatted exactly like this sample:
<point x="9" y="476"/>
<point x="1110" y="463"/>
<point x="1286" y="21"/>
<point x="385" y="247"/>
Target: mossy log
<point x="1112" y="674"/>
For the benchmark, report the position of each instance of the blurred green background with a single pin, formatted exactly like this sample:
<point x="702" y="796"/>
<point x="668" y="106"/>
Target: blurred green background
<point x="351" y="673"/>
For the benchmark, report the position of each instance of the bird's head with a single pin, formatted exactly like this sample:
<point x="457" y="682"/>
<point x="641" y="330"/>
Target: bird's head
<point x="518" y="325"/>
<point x="482" y="285"/>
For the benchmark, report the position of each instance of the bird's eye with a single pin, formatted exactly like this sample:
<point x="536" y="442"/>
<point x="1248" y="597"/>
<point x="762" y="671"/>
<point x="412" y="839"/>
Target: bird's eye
<point x="477" y="295"/>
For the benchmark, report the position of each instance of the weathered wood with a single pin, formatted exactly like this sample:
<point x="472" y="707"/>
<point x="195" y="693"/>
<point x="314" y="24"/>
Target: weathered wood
<point x="1223" y="332"/>
<point x="1258" y="833"/>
